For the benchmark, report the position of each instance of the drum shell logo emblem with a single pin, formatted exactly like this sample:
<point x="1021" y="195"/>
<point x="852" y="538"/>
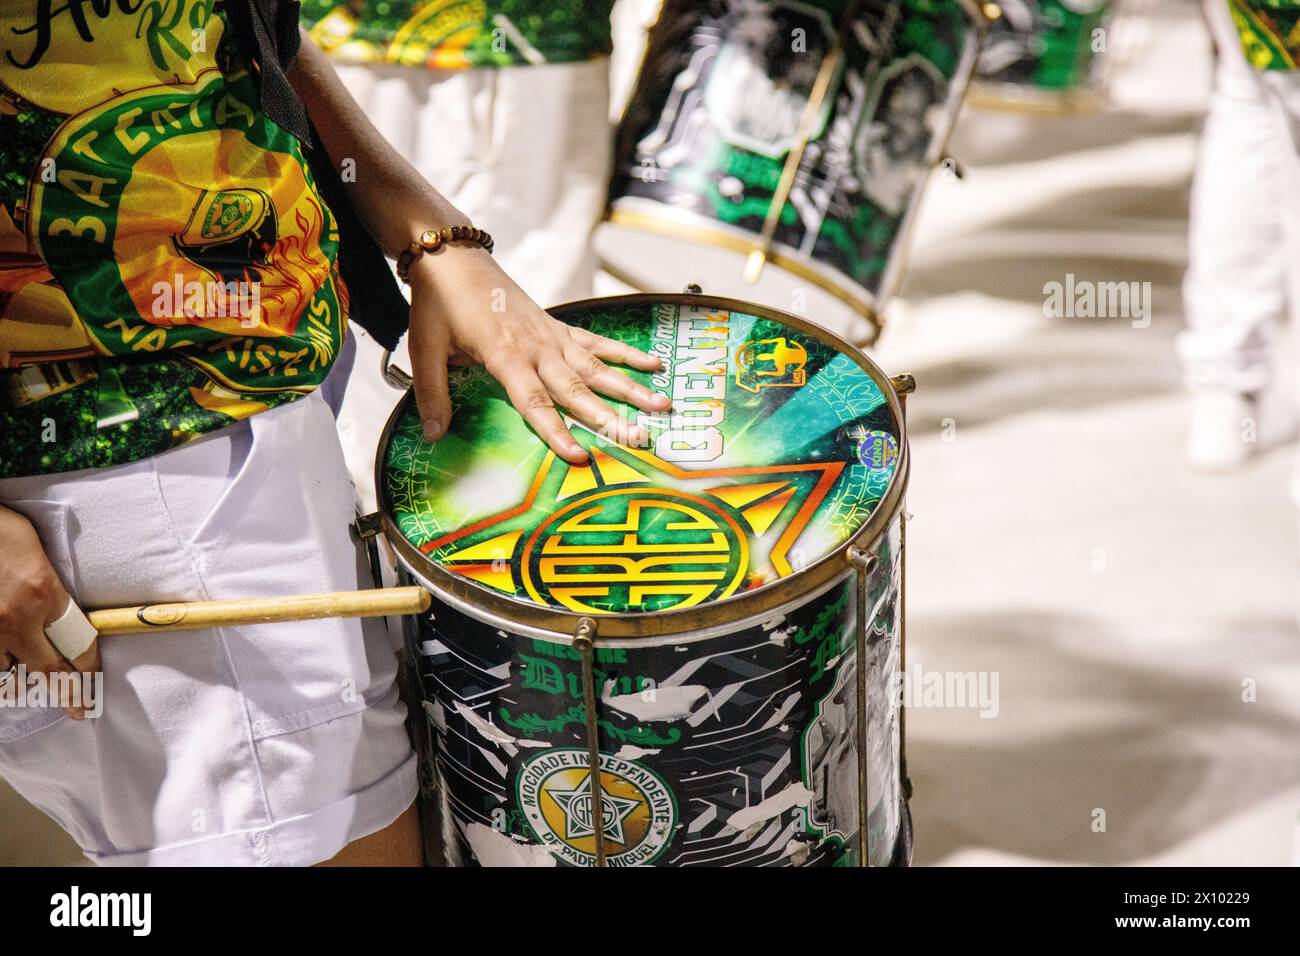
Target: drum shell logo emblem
<point x="553" y="789"/>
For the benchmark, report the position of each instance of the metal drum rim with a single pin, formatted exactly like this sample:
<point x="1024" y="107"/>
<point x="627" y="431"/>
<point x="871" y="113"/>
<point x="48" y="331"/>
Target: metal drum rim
<point x="666" y="221"/>
<point x="727" y="611"/>
<point x="521" y="630"/>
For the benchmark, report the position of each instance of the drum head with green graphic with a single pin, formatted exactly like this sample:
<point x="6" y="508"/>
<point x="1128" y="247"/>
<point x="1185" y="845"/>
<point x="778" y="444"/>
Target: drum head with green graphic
<point x="780" y="447"/>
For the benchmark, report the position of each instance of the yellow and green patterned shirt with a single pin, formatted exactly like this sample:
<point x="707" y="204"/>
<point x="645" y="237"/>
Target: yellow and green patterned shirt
<point x="167" y="266"/>
<point x="1270" y="32"/>
<point x="456" y="34"/>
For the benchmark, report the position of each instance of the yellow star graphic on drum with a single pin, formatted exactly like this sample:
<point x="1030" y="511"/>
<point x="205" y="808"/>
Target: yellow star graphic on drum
<point x="630" y="531"/>
<point x="579" y="815"/>
<point x="553" y="789"/>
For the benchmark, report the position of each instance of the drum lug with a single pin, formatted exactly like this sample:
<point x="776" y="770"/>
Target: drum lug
<point x="368" y="528"/>
<point x="584" y="642"/>
<point x="904" y="384"/>
<point x="693" y="288"/>
<point x="368" y="525"/>
<point x="953" y="167"/>
<point x="398" y="378"/>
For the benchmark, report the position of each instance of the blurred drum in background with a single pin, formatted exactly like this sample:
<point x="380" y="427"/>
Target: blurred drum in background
<point x="1043" y="55"/>
<point x="776" y="150"/>
<point x="715" y="621"/>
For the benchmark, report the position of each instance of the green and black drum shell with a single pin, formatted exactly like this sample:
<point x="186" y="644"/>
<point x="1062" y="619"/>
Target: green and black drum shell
<point x="727" y="729"/>
<point x="715" y="116"/>
<point x="1044" y="55"/>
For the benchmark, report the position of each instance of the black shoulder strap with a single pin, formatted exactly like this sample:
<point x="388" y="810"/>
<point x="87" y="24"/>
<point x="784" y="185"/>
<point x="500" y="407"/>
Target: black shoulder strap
<point x="268" y="33"/>
<point x="375" y="301"/>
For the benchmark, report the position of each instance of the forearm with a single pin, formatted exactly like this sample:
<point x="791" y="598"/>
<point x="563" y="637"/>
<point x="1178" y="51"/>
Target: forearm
<point x="464" y="308"/>
<point x="391" y="197"/>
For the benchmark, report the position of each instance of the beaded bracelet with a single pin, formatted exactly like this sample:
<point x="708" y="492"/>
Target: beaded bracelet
<point x="433" y="240"/>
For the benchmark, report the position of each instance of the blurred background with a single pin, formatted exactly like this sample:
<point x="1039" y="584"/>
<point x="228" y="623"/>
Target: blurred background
<point x="1058" y="540"/>
<point x="1059" y="537"/>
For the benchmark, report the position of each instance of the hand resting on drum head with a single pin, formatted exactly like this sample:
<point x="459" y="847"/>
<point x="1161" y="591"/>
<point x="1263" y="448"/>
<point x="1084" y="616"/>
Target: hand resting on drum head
<point x="465" y="310"/>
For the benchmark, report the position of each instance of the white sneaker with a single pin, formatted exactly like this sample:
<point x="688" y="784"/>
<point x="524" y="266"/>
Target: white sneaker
<point x="1223" y="432"/>
<point x="1228" y="428"/>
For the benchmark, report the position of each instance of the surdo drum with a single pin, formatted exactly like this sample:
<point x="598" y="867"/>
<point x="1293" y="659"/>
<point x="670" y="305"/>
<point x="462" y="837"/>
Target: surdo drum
<point x="683" y="654"/>
<point x="778" y="148"/>
<point x="1043" y="55"/>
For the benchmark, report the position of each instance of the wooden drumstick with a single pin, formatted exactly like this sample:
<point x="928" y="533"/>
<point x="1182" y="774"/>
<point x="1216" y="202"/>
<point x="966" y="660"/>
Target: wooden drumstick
<point x="197" y="615"/>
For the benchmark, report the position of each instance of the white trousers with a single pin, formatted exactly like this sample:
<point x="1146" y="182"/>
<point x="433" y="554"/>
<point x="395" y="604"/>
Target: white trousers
<point x="525" y="153"/>
<point x="267" y="745"/>
<point x="1243" y="276"/>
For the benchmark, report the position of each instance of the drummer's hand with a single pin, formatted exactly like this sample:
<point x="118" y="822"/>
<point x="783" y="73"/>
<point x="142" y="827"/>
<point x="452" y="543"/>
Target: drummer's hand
<point x="32" y="597"/>
<point x="465" y="310"/>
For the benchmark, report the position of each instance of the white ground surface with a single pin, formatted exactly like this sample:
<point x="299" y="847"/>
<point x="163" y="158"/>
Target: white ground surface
<point x="1057" y="538"/>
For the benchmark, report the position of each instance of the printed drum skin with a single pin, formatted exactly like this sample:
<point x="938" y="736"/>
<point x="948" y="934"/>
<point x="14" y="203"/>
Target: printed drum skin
<point x="713" y="565"/>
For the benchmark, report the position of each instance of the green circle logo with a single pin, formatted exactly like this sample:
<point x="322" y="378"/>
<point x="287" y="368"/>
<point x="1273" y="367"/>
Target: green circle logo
<point x="554" y="791"/>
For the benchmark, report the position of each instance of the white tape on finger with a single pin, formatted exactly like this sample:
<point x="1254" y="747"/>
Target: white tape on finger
<point x="72" y="634"/>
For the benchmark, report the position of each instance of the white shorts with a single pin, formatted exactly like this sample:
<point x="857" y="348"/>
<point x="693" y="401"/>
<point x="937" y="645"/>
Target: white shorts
<point x="269" y="745"/>
<point x="1244" y="232"/>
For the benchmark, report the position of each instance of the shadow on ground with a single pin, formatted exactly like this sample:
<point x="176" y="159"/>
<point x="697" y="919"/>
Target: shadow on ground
<point x="1167" y="751"/>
